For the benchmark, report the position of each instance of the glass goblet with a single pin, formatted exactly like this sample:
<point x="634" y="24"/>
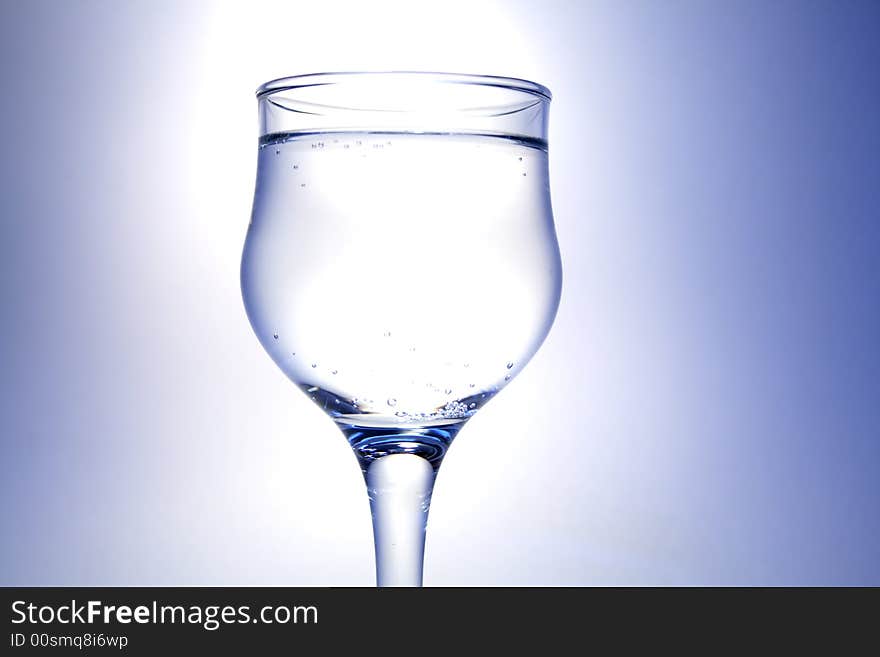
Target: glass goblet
<point x="401" y="265"/>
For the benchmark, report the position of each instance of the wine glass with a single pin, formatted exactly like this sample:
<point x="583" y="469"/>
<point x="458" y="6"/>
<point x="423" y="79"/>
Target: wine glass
<point x="401" y="265"/>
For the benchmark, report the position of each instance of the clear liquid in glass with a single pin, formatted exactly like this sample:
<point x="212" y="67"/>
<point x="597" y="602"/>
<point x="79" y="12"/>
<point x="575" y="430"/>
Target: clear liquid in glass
<point x="401" y="279"/>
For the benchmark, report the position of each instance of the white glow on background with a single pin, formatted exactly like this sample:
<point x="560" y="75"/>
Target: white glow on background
<point x="700" y="412"/>
<point x="498" y="479"/>
<point x="237" y="47"/>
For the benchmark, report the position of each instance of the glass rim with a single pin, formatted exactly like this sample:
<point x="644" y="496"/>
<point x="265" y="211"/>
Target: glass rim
<point x="318" y="79"/>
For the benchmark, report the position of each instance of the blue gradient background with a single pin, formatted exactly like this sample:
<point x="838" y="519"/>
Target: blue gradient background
<point x="706" y="409"/>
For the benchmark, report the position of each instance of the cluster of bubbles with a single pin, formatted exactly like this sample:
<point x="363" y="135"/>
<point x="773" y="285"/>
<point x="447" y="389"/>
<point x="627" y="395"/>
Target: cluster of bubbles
<point x="454" y="409"/>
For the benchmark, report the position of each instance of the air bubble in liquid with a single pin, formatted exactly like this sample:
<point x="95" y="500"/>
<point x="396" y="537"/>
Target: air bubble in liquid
<point x="275" y="335"/>
<point x="392" y="401"/>
<point x="510" y="365"/>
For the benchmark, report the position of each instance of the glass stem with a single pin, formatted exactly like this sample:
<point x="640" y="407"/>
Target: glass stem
<point x="400" y="488"/>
